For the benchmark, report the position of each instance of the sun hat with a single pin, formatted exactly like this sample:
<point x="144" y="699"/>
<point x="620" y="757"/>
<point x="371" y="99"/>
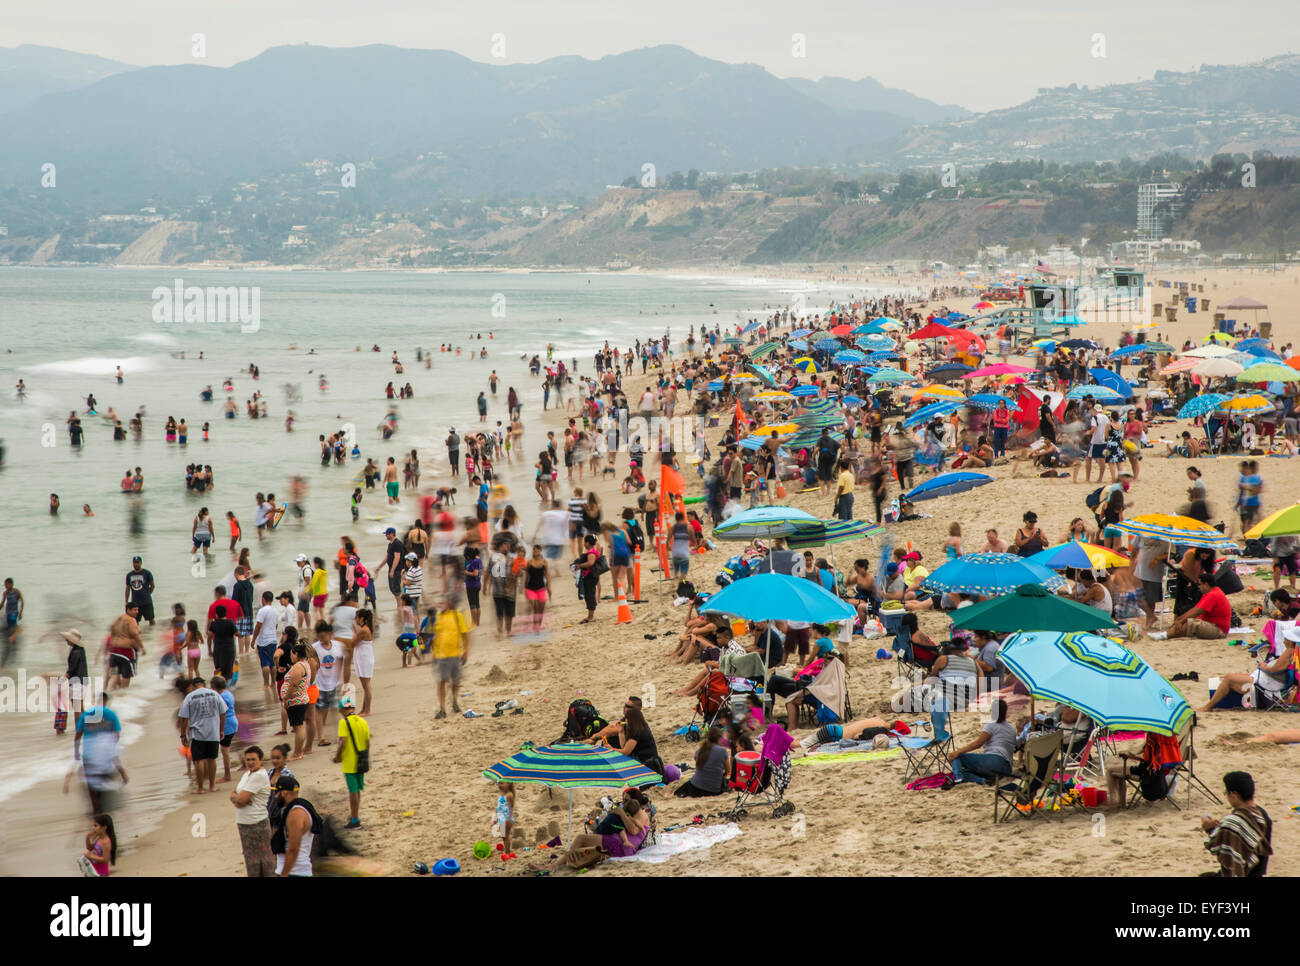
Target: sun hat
<point x="72" y="637"/>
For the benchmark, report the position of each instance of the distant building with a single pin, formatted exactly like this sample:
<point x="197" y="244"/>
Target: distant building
<point x="1157" y="203"/>
<point x="1144" y="249"/>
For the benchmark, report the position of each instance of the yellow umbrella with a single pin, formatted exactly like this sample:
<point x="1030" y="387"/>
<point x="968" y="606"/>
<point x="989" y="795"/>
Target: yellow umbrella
<point x="743" y="377"/>
<point x="772" y="395"/>
<point x="1221" y="337"/>
<point x="937" y="391"/>
<point x="778" y="429"/>
<point x="1250" y="404"/>
<point x="1284" y="522"/>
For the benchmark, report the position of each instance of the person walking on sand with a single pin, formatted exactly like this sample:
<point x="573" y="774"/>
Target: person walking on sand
<point x="353" y="755"/>
<point x="124" y="647"/>
<point x="391" y="485"/>
<point x="451" y="643"/>
<point x="363" y="654"/>
<point x="297" y="703"/>
<point x="201" y="719"/>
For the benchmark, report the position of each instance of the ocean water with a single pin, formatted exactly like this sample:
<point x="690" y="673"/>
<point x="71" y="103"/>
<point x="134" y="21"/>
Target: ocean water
<point x="65" y="331"/>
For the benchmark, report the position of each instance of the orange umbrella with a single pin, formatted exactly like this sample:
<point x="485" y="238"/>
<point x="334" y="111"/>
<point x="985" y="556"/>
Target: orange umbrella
<point x="1294" y="362"/>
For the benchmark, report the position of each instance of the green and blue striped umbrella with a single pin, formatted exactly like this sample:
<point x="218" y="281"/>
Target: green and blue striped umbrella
<point x="832" y="532"/>
<point x="766" y="349"/>
<point x="888" y="375"/>
<point x="572" y="766"/>
<point x="1100" y="677"/>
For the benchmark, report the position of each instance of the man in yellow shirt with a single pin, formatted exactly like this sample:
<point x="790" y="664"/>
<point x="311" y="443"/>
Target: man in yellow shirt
<point x="450" y="652"/>
<point x="844" y="492"/>
<point x="354" y="737"/>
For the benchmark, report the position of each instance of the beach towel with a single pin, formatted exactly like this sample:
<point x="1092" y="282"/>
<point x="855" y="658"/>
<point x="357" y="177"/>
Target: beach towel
<point x="837" y="758"/>
<point x="831" y="687"/>
<point x="776" y="742"/>
<point x="671" y="844"/>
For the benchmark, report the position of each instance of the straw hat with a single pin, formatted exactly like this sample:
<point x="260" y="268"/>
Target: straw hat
<point x="72" y="637"/>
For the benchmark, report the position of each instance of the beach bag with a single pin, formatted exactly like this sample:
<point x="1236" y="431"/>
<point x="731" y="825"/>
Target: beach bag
<point x="582" y="721"/>
<point x="362" y="575"/>
<point x="1093" y="499"/>
<point x="939" y="780"/>
<point x="1152" y="783"/>
<point x="363" y="757"/>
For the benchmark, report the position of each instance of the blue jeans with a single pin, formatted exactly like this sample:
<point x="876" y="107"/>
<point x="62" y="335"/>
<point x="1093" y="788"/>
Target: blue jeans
<point x="844" y="507"/>
<point x="978" y="768"/>
<point x="999" y="441"/>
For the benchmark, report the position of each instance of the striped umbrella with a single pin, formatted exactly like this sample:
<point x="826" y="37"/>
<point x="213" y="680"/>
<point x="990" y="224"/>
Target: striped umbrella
<point x="766" y="349"/>
<point x="1099" y="393"/>
<point x="805" y="364"/>
<point x="986" y="400"/>
<point x="800" y="345"/>
<point x="765" y="521"/>
<point x="936" y="391"/>
<point x="846" y="357"/>
<point x="733" y="340"/>
<point x="800" y="333"/>
<point x="853" y="402"/>
<point x="1176" y="529"/>
<point x="751" y="327"/>
<point x="803" y="390"/>
<point x="809" y="437"/>
<point x="990" y="575"/>
<point x="926" y="413"/>
<point x="834" y="531"/>
<point x="827" y="345"/>
<point x="743" y="377"/>
<point x="887" y="375"/>
<point x="714" y="385"/>
<point x="831" y="420"/>
<point x="1103" y="679"/>
<point x="572" y="766"/>
<point x="1076" y="554"/>
<point x="1179" y="365"/>
<point x="1251" y="404"/>
<point x="1200" y="405"/>
<point x="998" y="369"/>
<point x="772" y="395"/>
<point x="875" y="342"/>
<point x="888" y="324"/>
<point x="764" y="375"/>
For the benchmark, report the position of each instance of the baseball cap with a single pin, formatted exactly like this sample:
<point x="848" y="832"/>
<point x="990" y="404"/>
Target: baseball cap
<point x="913" y="555"/>
<point x="386" y="532"/>
<point x="347" y="701"/>
<point x="891" y="568"/>
<point x="286" y="783"/>
<point x="411" y="556"/>
<point x="137" y="560"/>
<point x="301" y="558"/>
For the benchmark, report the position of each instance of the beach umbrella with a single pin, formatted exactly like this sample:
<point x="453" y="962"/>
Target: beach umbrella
<point x="778" y="597"/>
<point x="764" y="521"/>
<point x="570" y="766"/>
<point x="805" y="364"/>
<point x="764" y="375"/>
<point x="1099" y="393"/>
<point x="853" y="402"/>
<point x="885" y="376"/>
<point x="847" y="357"/>
<point x="1080" y="344"/>
<point x="1047" y="345"/>
<point x="766" y="349"/>
<point x="1031" y="608"/>
<point x="935" y="391"/>
<point x="714" y="385"/>
<point x="935" y="330"/>
<point x="743" y="377"/>
<point x="822" y="420"/>
<point x="1294" y="362"/>
<point x="1284" y="523"/>
<point x="990" y="575"/>
<point x="827" y="345"/>
<point x="809" y="437"/>
<point x="1243" y="344"/>
<point x="799" y="344"/>
<point x="832" y="532"/>
<point x="733" y="340"/>
<point x="1176" y="529"/>
<point x="777" y="429"/>
<point x="1200" y="405"/>
<point x="772" y="395"/>
<point x="987" y="400"/>
<point x="874" y="343"/>
<point x="1112" y="380"/>
<point x="946" y="484"/>
<point x="1217" y="368"/>
<point x="751" y="327"/>
<point x="1259" y="352"/>
<point x="1103" y="679"/>
<point x="840" y="331"/>
<point x="800" y="333"/>
<point x="1137" y="348"/>
<point x="866" y="328"/>
<point x="1158" y="347"/>
<point x="949" y="370"/>
<point x="998" y="369"/>
<point x="926" y="413"/>
<point x="1267" y="372"/>
<point x="1181" y="365"/>
<point x="968" y="341"/>
<point x="1208" y="352"/>
<point x="804" y="389"/>
<point x="982" y="306"/>
<point x="1074" y="320"/>
<point x="887" y="323"/>
<point x="883" y="355"/>
<point x="1251" y="404"/>
<point x="1220" y="337"/>
<point x="1076" y="555"/>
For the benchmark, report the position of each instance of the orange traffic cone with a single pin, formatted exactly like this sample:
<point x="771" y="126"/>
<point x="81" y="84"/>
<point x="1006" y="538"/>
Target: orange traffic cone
<point x="636" y="575"/>
<point x="624" y="611"/>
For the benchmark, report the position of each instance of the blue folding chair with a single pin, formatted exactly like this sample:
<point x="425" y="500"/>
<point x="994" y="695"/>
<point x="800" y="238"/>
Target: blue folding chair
<point x="928" y="755"/>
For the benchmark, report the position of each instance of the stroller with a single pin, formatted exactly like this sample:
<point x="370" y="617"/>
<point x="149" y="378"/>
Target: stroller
<point x="761" y="779"/>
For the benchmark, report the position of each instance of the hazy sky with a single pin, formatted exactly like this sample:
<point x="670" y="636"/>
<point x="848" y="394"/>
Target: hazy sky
<point x="978" y="55"/>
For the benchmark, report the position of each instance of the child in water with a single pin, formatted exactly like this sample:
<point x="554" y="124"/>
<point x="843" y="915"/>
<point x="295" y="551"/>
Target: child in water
<point x="356" y="503"/>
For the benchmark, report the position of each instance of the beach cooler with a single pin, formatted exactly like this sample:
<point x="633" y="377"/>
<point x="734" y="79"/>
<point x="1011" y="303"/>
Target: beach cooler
<point x="749" y="771"/>
<point x="1233" y="700"/>
<point x="892" y="620"/>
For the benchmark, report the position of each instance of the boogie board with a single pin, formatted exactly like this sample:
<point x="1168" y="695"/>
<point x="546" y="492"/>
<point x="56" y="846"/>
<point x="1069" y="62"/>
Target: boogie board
<point x="278" y="515"/>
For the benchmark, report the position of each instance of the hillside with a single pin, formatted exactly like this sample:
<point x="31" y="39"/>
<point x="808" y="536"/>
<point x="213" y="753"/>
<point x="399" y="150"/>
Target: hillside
<point x="29" y="72"/>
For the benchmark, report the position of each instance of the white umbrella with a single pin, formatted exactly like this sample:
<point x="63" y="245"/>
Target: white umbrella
<point x="1217" y="367"/>
<point x="1211" y="351"/>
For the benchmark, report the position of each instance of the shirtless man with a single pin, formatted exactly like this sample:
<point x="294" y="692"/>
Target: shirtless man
<point x="125" y="647"/>
<point x="391" y="484"/>
<point x="993" y="543"/>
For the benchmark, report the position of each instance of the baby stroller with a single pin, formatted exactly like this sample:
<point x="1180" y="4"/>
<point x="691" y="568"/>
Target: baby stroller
<point x="761" y="779"/>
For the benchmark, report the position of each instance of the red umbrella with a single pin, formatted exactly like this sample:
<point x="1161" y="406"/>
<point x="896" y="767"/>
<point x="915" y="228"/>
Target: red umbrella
<point x="966" y="337"/>
<point x="934" y="330"/>
<point x="840" y="331"/>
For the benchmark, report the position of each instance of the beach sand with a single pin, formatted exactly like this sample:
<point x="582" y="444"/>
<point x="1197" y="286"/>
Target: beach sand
<point x="426" y="798"/>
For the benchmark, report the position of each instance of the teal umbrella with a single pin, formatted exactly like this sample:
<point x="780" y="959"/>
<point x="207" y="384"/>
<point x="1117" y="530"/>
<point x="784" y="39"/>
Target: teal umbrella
<point x="765" y="521"/>
<point x="1103" y="679"/>
<point x="777" y="597"/>
<point x="1031" y="608"/>
<point x="990" y="574"/>
<point x="572" y="766"/>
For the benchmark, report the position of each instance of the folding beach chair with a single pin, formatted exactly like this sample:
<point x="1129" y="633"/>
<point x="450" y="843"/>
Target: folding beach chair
<point x="910" y="661"/>
<point x="928" y="755"/>
<point x="1186" y="769"/>
<point x="1039" y="776"/>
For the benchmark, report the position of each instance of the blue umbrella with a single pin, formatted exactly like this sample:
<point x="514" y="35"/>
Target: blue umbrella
<point x="990" y="575"/>
<point x="832" y="532"/>
<point x="1073" y="320"/>
<point x="800" y="333"/>
<point x="750" y="328"/>
<point x="1244" y="344"/>
<point x="1080" y="343"/>
<point x="1112" y="380"/>
<point x="765" y="521"/>
<point x="986" y="400"/>
<point x="1103" y="679"/>
<point x="1137" y="348"/>
<point x="926" y="413"/>
<point x="949" y="370"/>
<point x="800" y="344"/>
<point x="754" y="442"/>
<point x="866" y="328"/>
<point x="854" y="402"/>
<point x="880" y="355"/>
<point x="848" y="356"/>
<point x="946" y="484"/>
<point x="777" y="597"/>
<point x="872" y="343"/>
<point x="827" y="345"/>
<point x="803" y="389"/>
<point x="883" y="376"/>
<point x="1207" y="402"/>
<point x="1099" y="393"/>
<point x="714" y="386"/>
<point x="1260" y="351"/>
<point x="764" y="375"/>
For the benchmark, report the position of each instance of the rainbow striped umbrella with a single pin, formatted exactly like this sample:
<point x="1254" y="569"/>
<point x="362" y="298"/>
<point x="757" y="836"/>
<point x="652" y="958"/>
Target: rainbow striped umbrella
<point x="1077" y="554"/>
<point x="1103" y="679"/>
<point x="1176" y="529"/>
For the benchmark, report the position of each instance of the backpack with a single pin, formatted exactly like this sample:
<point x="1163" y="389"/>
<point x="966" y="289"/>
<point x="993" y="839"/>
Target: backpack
<point x="1153" y="783"/>
<point x="940" y="780"/>
<point x="1093" y="499"/>
<point x="362" y="575"/>
<point x="279" y="838"/>
<point x="582" y="721"/>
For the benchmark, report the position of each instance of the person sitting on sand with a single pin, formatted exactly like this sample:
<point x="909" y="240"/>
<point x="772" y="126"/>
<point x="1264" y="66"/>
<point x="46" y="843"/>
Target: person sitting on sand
<point x="993" y="543"/>
<point x="627" y="827"/>
<point x="1190" y="447"/>
<point x="1269" y="680"/>
<point x="1243" y="840"/>
<point x="712" y="766"/>
<point x="1210" y="619"/>
<point x="701" y="632"/>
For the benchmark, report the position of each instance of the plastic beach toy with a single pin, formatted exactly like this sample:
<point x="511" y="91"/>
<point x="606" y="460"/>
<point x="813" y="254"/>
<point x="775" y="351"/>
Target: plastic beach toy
<point x="446" y="867"/>
<point x="482" y="850"/>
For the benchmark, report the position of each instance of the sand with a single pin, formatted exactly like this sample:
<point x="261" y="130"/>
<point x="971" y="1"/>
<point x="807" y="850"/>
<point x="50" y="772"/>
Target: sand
<point x="426" y="797"/>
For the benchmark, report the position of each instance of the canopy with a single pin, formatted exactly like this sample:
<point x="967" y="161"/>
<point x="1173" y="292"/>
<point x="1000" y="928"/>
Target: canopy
<point x="1243" y="302"/>
<point x="765" y="521"/>
<point x="990" y="574"/>
<point x="777" y="597"/>
<point x="1284" y="523"/>
<point x="1077" y="555"/>
<point x="1176" y="529"/>
<point x="1103" y="679"/>
<point x="946" y="484"/>
<point x="1031" y="607"/>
